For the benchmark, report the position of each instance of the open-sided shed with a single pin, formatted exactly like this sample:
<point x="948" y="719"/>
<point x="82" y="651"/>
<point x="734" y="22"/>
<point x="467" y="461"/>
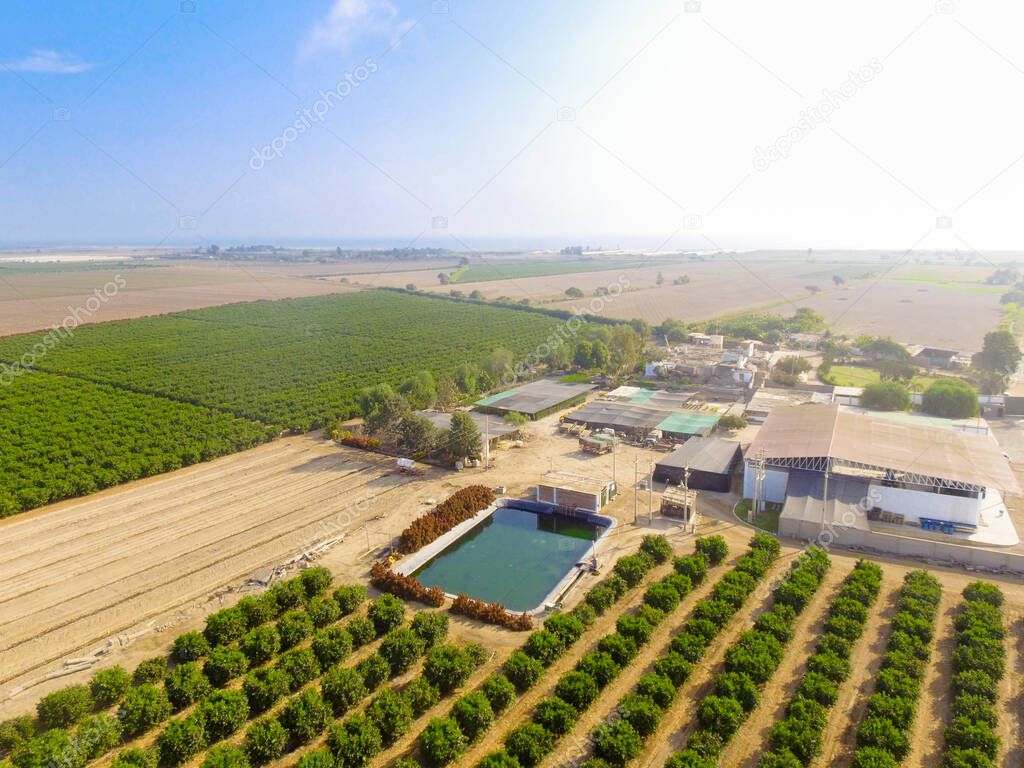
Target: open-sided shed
<point x="536" y="399"/>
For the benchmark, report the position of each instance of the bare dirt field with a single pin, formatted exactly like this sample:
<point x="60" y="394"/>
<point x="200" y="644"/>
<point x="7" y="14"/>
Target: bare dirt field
<point x="945" y="316"/>
<point x="946" y="306"/>
<point x="32" y="301"/>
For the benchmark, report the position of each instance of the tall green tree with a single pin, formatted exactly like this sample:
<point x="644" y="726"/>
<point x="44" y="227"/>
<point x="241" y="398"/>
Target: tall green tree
<point x="383" y="408"/>
<point x="417" y="434"/>
<point x="951" y="399"/>
<point x="498" y="363"/>
<point x="420" y="390"/>
<point x="886" y="396"/>
<point x="463" y="439"/>
<point x="1000" y="352"/>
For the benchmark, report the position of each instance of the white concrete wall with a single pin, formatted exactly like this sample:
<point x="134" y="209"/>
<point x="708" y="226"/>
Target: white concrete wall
<point x="903" y="546"/>
<point x="775" y="483"/>
<point x="914" y="505"/>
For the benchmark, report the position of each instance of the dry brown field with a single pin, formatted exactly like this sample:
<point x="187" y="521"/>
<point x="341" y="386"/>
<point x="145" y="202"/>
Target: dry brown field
<point x="945" y="306"/>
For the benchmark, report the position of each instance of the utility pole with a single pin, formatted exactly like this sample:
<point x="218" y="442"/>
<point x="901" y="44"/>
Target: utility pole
<point x="636" y="486"/>
<point x="487" y="441"/>
<point x="759" y="473"/>
<point x="615" y="445"/>
<point x="824" y="501"/>
<point x="686" y="494"/>
<point x="650" y="496"/>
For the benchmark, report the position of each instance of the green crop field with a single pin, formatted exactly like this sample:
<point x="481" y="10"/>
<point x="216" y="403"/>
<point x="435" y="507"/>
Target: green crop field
<point x="478" y="273"/>
<point x="117" y="401"/>
<point x="860" y="376"/>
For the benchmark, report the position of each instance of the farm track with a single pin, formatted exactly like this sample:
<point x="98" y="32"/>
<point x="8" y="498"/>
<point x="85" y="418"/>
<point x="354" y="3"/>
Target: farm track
<point x="166" y="543"/>
<point x="746" y="745"/>
<point x="839" y="737"/>
<point x="574" y="745"/>
<point x="523" y="706"/>
<point x="933" y="709"/>
<point x="1011" y="705"/>
<point x="678" y="721"/>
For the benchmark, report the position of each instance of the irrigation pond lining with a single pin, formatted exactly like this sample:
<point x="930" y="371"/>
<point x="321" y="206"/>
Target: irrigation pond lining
<point x="521" y="554"/>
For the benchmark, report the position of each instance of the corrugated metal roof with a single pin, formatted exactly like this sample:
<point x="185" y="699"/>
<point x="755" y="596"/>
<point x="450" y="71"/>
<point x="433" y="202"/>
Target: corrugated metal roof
<point x="703" y="454"/>
<point x="808" y="431"/>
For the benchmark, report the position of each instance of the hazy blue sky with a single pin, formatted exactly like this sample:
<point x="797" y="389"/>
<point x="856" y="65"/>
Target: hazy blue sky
<point x="653" y="123"/>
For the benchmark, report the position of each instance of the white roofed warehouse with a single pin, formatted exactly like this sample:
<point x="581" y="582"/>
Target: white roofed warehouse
<point x="838" y="468"/>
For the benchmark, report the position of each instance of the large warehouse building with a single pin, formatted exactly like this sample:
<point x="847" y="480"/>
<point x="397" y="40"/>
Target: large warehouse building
<point x="832" y="467"/>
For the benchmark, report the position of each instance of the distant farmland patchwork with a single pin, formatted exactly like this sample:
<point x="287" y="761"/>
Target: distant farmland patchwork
<point x="118" y="401"/>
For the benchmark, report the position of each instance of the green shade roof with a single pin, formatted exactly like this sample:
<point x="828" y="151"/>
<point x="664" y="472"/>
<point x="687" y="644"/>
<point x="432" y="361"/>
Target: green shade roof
<point x="689" y="423"/>
<point x="642" y="396"/>
<point x="496" y="397"/>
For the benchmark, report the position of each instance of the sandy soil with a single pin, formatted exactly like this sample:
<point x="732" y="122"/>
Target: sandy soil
<point x="839" y="738"/>
<point x="948" y="307"/>
<point x="679" y="721"/>
<point x="949" y="317"/>
<point x="745" y="748"/>
<point x="933" y="709"/>
<point x="1011" y="706"/>
<point x="575" y="745"/>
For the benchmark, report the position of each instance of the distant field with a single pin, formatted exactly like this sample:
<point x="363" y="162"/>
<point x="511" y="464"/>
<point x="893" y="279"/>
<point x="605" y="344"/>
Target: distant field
<point x="205" y="383"/>
<point x="479" y="273"/>
<point x="11" y="267"/>
<point x="37" y="296"/>
<point x="859" y="376"/>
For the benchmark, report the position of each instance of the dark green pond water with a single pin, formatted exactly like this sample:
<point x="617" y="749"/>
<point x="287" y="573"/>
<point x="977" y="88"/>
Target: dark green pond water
<point x="515" y="558"/>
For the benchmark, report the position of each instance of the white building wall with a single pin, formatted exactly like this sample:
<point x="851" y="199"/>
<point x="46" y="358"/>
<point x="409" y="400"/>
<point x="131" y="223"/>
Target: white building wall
<point x="775" y="482"/>
<point x="914" y="505"/>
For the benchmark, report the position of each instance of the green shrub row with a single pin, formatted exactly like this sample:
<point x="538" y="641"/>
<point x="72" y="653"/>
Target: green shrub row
<point x="527" y="744"/>
<point x="524" y="668"/>
<point x="979" y="663"/>
<point x="143" y="704"/>
<point x="883" y="734"/>
<point x="306" y="713"/>
<point x="353" y="742"/>
<point x="639" y="712"/>
<point x="796" y="739"/>
<point x="750" y="662"/>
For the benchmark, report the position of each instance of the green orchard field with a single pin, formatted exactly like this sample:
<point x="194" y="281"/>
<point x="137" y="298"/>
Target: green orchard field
<point x="123" y="400"/>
